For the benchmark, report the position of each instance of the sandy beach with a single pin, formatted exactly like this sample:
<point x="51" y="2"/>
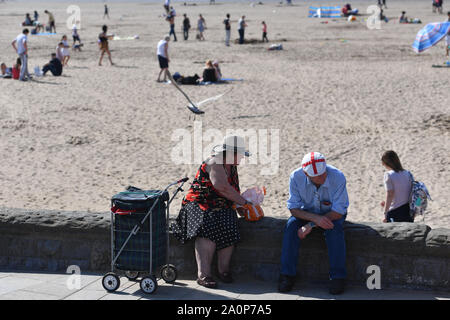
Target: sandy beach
<point x="339" y="88"/>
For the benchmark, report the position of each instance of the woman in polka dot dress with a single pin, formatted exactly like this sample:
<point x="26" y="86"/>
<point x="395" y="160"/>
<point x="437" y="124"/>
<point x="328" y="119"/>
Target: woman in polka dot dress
<point x="207" y="215"/>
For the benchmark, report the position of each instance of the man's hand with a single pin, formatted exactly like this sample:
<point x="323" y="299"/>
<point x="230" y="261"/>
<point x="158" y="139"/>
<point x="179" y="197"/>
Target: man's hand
<point x="324" y="222"/>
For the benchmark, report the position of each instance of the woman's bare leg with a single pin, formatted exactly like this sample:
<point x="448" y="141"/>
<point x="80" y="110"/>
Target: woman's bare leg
<point x="204" y="253"/>
<point x="224" y="258"/>
<point x="109" y="56"/>
<point x="101" y="57"/>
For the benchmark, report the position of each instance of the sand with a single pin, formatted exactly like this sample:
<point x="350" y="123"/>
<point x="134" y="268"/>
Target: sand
<point x="71" y="143"/>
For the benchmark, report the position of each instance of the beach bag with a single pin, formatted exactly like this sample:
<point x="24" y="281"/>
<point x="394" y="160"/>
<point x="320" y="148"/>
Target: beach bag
<point x="255" y="195"/>
<point x="418" y="200"/>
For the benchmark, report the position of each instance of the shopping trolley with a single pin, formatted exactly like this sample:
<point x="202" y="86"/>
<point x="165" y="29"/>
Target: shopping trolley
<point x="140" y="238"/>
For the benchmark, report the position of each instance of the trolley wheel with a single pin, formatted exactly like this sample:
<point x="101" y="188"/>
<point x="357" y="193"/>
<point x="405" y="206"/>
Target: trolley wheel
<point x="111" y="282"/>
<point x="169" y="273"/>
<point x="149" y="284"/>
<point x="132" y="275"/>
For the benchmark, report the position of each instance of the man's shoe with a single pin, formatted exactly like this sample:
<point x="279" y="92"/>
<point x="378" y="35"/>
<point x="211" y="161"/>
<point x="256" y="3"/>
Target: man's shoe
<point x="285" y="283"/>
<point x="337" y="286"/>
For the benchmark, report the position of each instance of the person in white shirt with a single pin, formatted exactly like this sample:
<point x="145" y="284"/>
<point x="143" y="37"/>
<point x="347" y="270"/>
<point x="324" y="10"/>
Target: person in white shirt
<point x="241" y="29"/>
<point x="65" y="51"/>
<point x="163" y="57"/>
<point x="20" y="44"/>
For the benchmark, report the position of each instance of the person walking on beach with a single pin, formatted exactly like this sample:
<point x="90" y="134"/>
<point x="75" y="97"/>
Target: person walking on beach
<point x="264" y="32"/>
<point x="241" y="29"/>
<point x="65" y="51"/>
<point x="36" y="16"/>
<point x="201" y="25"/>
<point x="227" y="24"/>
<point x="398" y="184"/>
<point x="51" y="21"/>
<point x="106" y="13"/>
<point x="20" y="45"/>
<point x="75" y="35"/>
<point x="163" y="57"/>
<point x="317" y="198"/>
<point x="186" y="26"/>
<point x="104" y="45"/>
<point x="171" y="19"/>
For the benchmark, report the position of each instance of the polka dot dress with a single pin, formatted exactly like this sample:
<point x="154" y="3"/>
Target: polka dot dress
<point x="206" y="214"/>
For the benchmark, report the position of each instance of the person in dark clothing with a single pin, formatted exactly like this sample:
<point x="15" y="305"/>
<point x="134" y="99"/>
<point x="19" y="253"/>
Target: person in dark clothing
<point x="54" y="66"/>
<point x="209" y="73"/>
<point x="186" y="26"/>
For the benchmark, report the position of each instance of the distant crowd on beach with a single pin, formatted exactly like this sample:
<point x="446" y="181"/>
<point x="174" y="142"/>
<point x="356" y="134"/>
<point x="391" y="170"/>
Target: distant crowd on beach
<point x="61" y="54"/>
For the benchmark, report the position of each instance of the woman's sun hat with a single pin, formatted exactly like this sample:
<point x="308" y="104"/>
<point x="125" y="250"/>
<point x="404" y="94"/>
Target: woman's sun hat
<point x="232" y="143"/>
<point x="314" y="164"/>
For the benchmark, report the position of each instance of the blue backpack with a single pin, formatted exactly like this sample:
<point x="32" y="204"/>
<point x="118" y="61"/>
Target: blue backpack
<point x="418" y="200"/>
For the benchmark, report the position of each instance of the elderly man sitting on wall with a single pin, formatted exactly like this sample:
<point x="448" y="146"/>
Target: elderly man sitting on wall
<point x="318" y="198"/>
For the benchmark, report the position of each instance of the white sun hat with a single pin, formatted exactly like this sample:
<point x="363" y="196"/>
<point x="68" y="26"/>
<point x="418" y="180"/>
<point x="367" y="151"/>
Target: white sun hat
<point x="314" y="164"/>
<point x="232" y="143"/>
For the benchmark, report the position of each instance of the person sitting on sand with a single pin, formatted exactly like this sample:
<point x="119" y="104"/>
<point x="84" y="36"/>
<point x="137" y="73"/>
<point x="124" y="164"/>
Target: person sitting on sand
<point x="346" y="10"/>
<point x="403" y="18"/>
<point x="218" y="71"/>
<point x="28" y="21"/>
<point x="38" y="27"/>
<point x="16" y="69"/>
<point x="54" y="66"/>
<point x="398" y="184"/>
<point x="209" y="73"/>
<point x="317" y="197"/>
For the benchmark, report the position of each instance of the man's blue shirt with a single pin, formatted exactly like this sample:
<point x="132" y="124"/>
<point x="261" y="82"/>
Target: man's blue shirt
<point x="331" y="196"/>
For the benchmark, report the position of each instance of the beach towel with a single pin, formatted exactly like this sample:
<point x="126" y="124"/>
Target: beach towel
<point x="231" y="79"/>
<point x="44" y="34"/>
<point x="324" y="12"/>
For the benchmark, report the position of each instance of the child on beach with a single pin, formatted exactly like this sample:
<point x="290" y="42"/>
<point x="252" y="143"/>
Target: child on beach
<point x="65" y="51"/>
<point x="264" y="32"/>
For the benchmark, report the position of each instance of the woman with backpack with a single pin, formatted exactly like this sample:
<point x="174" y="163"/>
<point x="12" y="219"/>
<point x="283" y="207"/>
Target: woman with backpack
<point x="398" y="184"/>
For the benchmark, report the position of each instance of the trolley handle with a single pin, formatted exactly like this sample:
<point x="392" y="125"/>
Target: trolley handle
<point x="183" y="180"/>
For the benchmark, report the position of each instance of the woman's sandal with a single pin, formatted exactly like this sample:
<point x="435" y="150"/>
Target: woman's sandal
<point x="226" y="277"/>
<point x="207" y="282"/>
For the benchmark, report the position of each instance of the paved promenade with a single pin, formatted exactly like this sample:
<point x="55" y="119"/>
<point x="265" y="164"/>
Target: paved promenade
<point x="47" y="286"/>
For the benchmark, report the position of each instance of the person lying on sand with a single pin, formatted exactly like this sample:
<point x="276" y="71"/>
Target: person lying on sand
<point x="6" y="72"/>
